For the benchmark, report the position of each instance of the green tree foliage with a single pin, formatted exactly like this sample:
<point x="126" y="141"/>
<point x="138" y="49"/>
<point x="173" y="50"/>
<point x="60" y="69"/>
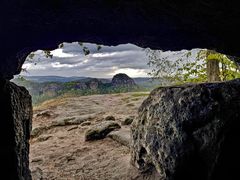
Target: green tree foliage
<point x="184" y="69"/>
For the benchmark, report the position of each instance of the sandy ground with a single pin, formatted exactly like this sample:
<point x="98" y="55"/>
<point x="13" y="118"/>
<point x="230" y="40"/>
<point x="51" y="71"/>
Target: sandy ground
<point x="62" y="152"/>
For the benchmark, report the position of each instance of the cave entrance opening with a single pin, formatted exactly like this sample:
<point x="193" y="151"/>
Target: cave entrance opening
<point x="81" y="89"/>
<point x="74" y="89"/>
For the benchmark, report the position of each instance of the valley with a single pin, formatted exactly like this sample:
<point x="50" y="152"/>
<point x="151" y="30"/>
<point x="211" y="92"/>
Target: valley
<point x="43" y="88"/>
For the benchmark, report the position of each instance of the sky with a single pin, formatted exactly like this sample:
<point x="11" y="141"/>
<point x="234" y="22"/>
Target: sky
<point x="105" y="62"/>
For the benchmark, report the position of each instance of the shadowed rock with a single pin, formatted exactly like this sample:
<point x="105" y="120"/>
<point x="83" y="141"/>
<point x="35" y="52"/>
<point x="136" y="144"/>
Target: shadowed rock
<point x="189" y="132"/>
<point x="110" y="118"/>
<point x="127" y="121"/>
<point x="86" y="123"/>
<point x="38" y="131"/>
<point x="101" y="130"/>
<point x="43" y="138"/>
<point x="16" y="124"/>
<point x="37" y="174"/>
<point x="158" y="24"/>
<point x="44" y="114"/>
<point x="123" y="80"/>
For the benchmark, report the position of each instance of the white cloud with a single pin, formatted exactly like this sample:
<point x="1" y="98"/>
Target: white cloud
<point x="130" y="72"/>
<point x="102" y="55"/>
<point x="60" y="53"/>
<point x="104" y="63"/>
<point x="31" y="66"/>
<point x="59" y="65"/>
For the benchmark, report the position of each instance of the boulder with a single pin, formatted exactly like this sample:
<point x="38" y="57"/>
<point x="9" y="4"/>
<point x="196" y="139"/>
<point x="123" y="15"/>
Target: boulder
<point x="101" y="130"/>
<point x="122" y="136"/>
<point x="189" y="132"/>
<point x="16" y="124"/>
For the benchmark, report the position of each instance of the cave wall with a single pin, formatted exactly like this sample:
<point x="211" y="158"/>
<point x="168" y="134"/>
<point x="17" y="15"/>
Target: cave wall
<point x="161" y="24"/>
<point x="189" y="132"/>
<point x="16" y="121"/>
<point x="27" y="26"/>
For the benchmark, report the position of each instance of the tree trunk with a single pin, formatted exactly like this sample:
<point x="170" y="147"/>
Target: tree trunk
<point x="213" y="72"/>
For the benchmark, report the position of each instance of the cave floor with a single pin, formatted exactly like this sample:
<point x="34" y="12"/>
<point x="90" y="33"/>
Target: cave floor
<point x="61" y="152"/>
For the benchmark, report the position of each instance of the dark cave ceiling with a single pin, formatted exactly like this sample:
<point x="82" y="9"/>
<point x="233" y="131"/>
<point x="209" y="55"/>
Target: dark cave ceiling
<point x="159" y="24"/>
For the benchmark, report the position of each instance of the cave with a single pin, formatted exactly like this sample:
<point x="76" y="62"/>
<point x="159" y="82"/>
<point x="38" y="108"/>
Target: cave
<point x="27" y="26"/>
<point x="73" y="94"/>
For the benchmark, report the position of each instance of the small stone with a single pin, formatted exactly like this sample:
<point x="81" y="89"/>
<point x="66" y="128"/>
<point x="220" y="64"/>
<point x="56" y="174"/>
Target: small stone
<point x="43" y="138"/>
<point x="101" y="130"/>
<point x="46" y="114"/>
<point x="73" y="120"/>
<point x="38" y="131"/>
<point x="72" y="128"/>
<point x="37" y="160"/>
<point x="127" y="121"/>
<point x="110" y="118"/>
<point x="37" y="173"/>
<point x="87" y="123"/>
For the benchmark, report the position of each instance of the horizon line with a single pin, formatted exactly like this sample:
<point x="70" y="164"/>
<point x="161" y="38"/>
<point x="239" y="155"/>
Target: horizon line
<point x="76" y="76"/>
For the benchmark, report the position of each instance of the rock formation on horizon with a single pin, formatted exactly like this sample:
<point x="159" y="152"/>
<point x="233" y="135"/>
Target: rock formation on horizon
<point x="122" y="80"/>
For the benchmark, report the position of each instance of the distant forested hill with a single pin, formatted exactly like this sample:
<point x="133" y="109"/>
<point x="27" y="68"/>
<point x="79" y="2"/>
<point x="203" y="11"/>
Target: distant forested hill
<point x="41" y="79"/>
<point x="45" y="87"/>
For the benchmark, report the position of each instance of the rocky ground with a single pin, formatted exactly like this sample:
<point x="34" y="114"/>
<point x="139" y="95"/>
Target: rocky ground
<point x="58" y="146"/>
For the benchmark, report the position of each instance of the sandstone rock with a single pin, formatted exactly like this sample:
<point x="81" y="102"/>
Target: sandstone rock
<point x="43" y="138"/>
<point x="62" y="122"/>
<point x="73" y="120"/>
<point x="37" y="174"/>
<point x="45" y="114"/>
<point x="66" y="121"/>
<point x="122" y="80"/>
<point x="86" y="123"/>
<point x="122" y="136"/>
<point x="100" y="130"/>
<point x="127" y="121"/>
<point x="110" y="118"/>
<point x="37" y="160"/>
<point x="189" y="132"/>
<point x="166" y="16"/>
<point x="72" y="128"/>
<point x="38" y="131"/>
<point x="94" y="84"/>
<point x="16" y="124"/>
